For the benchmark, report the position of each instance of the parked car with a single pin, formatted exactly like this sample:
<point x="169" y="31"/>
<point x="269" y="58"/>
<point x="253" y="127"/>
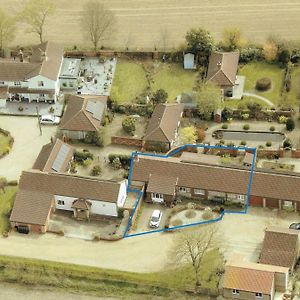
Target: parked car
<point x="49" y="120"/>
<point x="155" y="218"/>
<point x="295" y="226"/>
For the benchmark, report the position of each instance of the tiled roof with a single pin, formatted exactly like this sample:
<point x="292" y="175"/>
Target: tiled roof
<point x="76" y="116"/>
<point x="163" y="123"/>
<point x="48" y="155"/>
<point x="17" y="71"/>
<point x="36" y="189"/>
<point x="250" y="280"/>
<point x="27" y="90"/>
<point x="161" y="184"/>
<point x="280" y="247"/>
<point x="219" y="178"/>
<point x="222" y="68"/>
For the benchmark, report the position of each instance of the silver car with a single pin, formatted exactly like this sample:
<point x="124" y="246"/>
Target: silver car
<point x="155" y="218"/>
<point x="49" y="120"/>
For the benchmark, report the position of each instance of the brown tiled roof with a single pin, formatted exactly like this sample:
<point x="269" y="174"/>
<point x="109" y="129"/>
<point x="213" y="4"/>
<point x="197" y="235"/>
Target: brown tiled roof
<point x="161" y="184"/>
<point x="47" y="66"/>
<point x="219" y="178"/>
<point x="31" y="207"/>
<point x="163" y="123"/>
<point x="280" y="247"/>
<point x="37" y="188"/>
<point x="249" y="280"/>
<point x="81" y="204"/>
<point x="19" y="89"/>
<point x="222" y="68"/>
<point x="77" y="118"/>
<point x="49" y="153"/>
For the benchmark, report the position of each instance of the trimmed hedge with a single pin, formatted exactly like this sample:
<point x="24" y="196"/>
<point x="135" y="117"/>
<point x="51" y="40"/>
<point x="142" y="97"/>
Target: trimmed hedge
<point x="80" y="157"/>
<point x="263" y="84"/>
<point x="124" y="159"/>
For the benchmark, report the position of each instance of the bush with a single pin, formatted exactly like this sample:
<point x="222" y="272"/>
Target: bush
<point x="263" y="84"/>
<point x="190" y="214"/>
<point x="96" y="171"/>
<point x="124" y="159"/>
<point x="245" y="116"/>
<point x="272" y="128"/>
<point x="12" y="183"/>
<point x="243" y="143"/>
<point x="222" y="142"/>
<point x="128" y="125"/>
<point x="73" y="167"/>
<point x="87" y="162"/>
<point x="290" y="124"/>
<point x="96" y="138"/>
<point x="249" y="54"/>
<point x="287" y="143"/>
<point x="261" y="147"/>
<point x="246" y="127"/>
<point x="282" y="119"/>
<point x="268" y="143"/>
<point x="200" y="134"/>
<point x="230" y="144"/>
<point x="225" y="126"/>
<point x="117" y="163"/>
<point x="80" y="157"/>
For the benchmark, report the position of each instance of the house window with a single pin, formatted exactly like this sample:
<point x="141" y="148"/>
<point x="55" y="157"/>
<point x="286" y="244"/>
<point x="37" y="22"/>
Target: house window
<point x="241" y="197"/>
<point x="40" y="83"/>
<point x="42" y="95"/>
<point x="182" y="189"/>
<point x="157" y="196"/>
<point x="258" y="295"/>
<point x="235" y="292"/>
<point x="288" y="203"/>
<point x="60" y="202"/>
<point x="199" y="192"/>
<point x="17" y="83"/>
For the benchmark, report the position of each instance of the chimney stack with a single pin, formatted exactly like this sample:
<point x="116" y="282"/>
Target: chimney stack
<point x="136" y="157"/>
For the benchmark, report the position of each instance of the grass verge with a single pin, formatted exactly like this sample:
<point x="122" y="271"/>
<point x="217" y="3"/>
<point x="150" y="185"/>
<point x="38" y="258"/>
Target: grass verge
<point x="6" y="202"/>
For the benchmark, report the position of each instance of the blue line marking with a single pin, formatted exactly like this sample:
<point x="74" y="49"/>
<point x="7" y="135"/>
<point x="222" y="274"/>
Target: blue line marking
<point x="253" y="150"/>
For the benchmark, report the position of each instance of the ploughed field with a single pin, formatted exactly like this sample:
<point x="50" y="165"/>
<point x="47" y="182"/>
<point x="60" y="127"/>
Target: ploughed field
<point x="145" y="24"/>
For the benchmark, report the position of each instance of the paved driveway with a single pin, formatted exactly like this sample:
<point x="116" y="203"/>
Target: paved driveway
<point x="27" y="145"/>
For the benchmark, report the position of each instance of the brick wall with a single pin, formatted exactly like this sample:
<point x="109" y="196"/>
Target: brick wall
<point x="128" y="141"/>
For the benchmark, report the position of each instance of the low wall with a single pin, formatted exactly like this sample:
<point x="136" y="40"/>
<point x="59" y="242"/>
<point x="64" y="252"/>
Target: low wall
<point x="128" y="141"/>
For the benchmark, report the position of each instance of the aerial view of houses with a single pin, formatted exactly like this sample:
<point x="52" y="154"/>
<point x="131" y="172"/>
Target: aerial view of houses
<point x="149" y="149"/>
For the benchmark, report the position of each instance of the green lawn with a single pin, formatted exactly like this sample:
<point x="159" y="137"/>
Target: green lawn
<point x="174" y="80"/>
<point x="4" y="143"/>
<point x="129" y="81"/>
<point x="6" y="202"/>
<point x="104" y="282"/>
<point x="294" y="94"/>
<point x="235" y="103"/>
<point x="256" y="70"/>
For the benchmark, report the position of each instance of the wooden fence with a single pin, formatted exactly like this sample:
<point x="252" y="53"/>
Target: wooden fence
<point x="128" y="141"/>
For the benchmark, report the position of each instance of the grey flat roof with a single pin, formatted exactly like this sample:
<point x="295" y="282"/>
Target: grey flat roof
<point x="70" y="68"/>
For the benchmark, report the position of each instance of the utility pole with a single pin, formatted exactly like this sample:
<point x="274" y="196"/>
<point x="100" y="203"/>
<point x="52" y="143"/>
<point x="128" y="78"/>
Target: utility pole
<point x="38" y="118"/>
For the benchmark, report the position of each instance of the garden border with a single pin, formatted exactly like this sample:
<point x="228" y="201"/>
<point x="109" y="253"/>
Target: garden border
<point x="253" y="150"/>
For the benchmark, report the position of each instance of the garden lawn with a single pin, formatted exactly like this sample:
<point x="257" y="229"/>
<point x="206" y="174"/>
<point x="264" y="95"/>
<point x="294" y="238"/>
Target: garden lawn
<point x="6" y="203"/>
<point x="256" y="70"/>
<point x="246" y="99"/>
<point x="4" y="143"/>
<point x="129" y="81"/>
<point x="174" y="80"/>
<point x="294" y="94"/>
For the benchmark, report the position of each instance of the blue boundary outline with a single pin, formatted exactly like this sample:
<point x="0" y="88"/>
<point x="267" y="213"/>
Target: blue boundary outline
<point x="253" y="150"/>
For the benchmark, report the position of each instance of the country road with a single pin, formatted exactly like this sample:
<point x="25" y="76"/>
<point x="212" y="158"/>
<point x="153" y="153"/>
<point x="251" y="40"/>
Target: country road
<point x="145" y="24"/>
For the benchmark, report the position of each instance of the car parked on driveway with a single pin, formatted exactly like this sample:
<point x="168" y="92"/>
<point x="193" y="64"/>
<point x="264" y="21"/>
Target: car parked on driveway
<point x="295" y="226"/>
<point x="49" y="120"/>
<point x="155" y="218"/>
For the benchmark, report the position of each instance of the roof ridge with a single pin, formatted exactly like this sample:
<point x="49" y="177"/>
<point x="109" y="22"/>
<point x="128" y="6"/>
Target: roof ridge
<point x="64" y="125"/>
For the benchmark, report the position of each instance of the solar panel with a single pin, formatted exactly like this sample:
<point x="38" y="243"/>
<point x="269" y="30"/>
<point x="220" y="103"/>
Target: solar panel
<point x="60" y="158"/>
<point x="98" y="111"/>
<point x="90" y="106"/>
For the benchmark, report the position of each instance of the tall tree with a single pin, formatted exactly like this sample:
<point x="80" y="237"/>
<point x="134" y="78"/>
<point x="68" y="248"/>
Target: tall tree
<point x="199" y="40"/>
<point x="7" y="29"/>
<point x="232" y="39"/>
<point x="97" y="22"/>
<point x="160" y="96"/>
<point x="188" y="135"/>
<point x="208" y="99"/>
<point x="191" y="248"/>
<point x="35" y="14"/>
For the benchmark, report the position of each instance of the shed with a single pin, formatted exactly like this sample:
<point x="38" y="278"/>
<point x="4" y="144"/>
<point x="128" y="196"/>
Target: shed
<point x="189" y="61"/>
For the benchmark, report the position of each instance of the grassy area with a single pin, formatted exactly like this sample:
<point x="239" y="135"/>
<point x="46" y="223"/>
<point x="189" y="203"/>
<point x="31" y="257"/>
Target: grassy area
<point x="246" y="99"/>
<point x="174" y="80"/>
<point x="129" y="81"/>
<point x="6" y="202"/>
<point x="257" y="70"/>
<point x="4" y="143"/>
<point x="103" y="282"/>
<point x="294" y="94"/>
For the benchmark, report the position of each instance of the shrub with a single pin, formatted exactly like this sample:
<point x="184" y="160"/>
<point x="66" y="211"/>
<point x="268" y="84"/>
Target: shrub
<point x="200" y="134"/>
<point x="246" y="127"/>
<point x="290" y="124"/>
<point x="87" y="162"/>
<point x="287" y="143"/>
<point x="12" y="183"/>
<point x="128" y="124"/>
<point x="250" y="54"/>
<point x="190" y="214"/>
<point x="73" y="166"/>
<point x="117" y="163"/>
<point x="230" y="144"/>
<point x="96" y="171"/>
<point x="268" y="143"/>
<point x="124" y="159"/>
<point x="272" y="128"/>
<point x="243" y="143"/>
<point x="245" y="116"/>
<point x="225" y="126"/>
<point x="263" y="84"/>
<point x="207" y="215"/>
<point x="282" y="119"/>
<point x="96" y="138"/>
<point x="222" y="142"/>
<point x="80" y="157"/>
<point x="51" y="110"/>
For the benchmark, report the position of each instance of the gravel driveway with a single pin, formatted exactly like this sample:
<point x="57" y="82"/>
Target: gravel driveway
<point x="28" y="143"/>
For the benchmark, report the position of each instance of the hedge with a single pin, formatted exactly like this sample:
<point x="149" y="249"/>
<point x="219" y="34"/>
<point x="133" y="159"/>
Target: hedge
<point x="124" y="159"/>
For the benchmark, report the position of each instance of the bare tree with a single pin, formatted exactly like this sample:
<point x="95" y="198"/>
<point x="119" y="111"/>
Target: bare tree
<point x="7" y="29"/>
<point x="97" y="22"/>
<point x="35" y="14"/>
<point x="192" y="247"/>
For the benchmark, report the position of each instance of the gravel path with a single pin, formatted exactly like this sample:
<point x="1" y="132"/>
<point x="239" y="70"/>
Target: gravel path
<point x="267" y="101"/>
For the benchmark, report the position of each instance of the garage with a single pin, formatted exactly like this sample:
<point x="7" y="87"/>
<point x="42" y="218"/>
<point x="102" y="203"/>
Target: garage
<point x="256" y="201"/>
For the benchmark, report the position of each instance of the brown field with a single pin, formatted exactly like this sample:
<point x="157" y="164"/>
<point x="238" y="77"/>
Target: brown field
<point x="143" y="24"/>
